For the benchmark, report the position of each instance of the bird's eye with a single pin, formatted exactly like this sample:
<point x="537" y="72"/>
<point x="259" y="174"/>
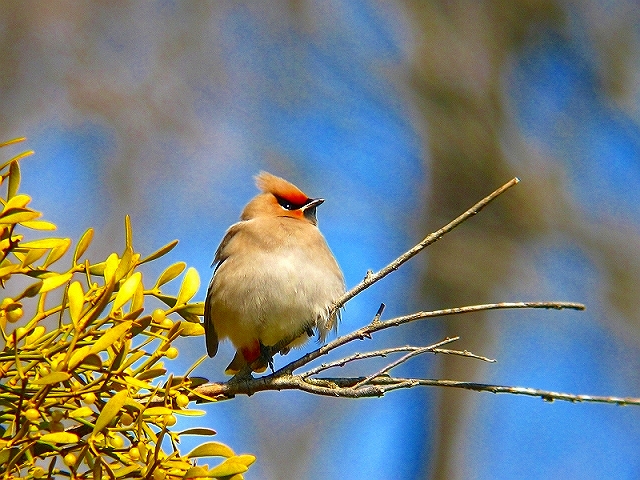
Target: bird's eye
<point x="288" y="205"/>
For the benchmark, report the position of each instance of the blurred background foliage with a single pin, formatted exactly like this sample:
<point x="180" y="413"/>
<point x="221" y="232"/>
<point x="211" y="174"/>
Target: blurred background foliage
<point x="401" y="114"/>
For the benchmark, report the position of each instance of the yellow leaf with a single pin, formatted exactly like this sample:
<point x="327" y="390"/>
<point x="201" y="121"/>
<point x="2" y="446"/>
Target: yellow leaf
<point x="189" y="287"/>
<point x="211" y="449"/>
<point x="191" y="329"/>
<point x="45" y="243"/>
<point x="170" y="273"/>
<point x="81" y="412"/>
<point x="83" y="244"/>
<point x="18" y="201"/>
<point x="111" y="264"/>
<point x="245" y="459"/>
<point x="53" y="282"/>
<point x="110" y="336"/>
<point x="160" y="252"/>
<point x="127" y="290"/>
<point x="12" y="141"/>
<point x="18" y="215"/>
<point x="126" y="262"/>
<point x="57" y="252"/>
<point x="76" y="302"/>
<point x="110" y="410"/>
<point x="196" y="472"/>
<point x="139" y="384"/>
<point x="39" y="225"/>
<point x="78" y="356"/>
<point x="194" y="309"/>
<point x="153" y="411"/>
<point x="228" y="468"/>
<point x="59" y="437"/>
<point x="32" y="256"/>
<point x="52" y="378"/>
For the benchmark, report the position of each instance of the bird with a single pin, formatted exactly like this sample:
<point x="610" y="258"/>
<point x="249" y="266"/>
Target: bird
<point x="275" y="278"/>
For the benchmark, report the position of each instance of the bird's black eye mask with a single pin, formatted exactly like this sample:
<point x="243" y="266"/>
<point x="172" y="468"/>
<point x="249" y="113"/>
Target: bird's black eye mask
<point x="289" y="205"/>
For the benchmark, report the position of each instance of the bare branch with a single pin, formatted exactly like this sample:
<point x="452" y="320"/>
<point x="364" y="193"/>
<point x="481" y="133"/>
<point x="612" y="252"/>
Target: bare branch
<point x="346" y="388"/>
<point x="372" y="278"/>
<point x="377" y="325"/>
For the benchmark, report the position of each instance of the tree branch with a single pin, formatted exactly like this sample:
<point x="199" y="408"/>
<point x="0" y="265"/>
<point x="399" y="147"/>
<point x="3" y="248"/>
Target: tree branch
<point x="381" y="381"/>
<point x="372" y="278"/>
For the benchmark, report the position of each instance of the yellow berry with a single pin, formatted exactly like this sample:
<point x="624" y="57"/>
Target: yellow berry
<point x="89" y="398"/>
<point x="70" y="459"/>
<point x="167" y="323"/>
<point x="171" y="353"/>
<point x="159" y="474"/>
<point x="182" y="400"/>
<point x="32" y="415"/>
<point x="116" y="441"/>
<point x="126" y="419"/>
<point x="169" y="420"/>
<point x="158" y="315"/>
<point x="134" y="453"/>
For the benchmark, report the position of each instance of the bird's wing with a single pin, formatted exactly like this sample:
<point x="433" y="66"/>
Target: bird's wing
<point x="221" y="255"/>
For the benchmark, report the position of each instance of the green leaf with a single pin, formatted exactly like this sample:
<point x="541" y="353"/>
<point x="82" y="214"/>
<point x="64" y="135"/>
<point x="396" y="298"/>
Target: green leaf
<point x="52" y="378"/>
<point x="83" y="244"/>
<point x="198" y="431"/>
<point x="170" y="273"/>
<point x="14" y="180"/>
<point x="110" y="410"/>
<point x="110" y="336"/>
<point x="189" y="287"/>
<point x="59" y="437"/>
<point x="211" y="449"/>
<point x="160" y="252"/>
<point x="128" y="233"/>
<point x="127" y="290"/>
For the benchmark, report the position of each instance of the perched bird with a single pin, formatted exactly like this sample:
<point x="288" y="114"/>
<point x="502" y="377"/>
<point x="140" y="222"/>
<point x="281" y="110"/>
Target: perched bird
<point x="274" y="279"/>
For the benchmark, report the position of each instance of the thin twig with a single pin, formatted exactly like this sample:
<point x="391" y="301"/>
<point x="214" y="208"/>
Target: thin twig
<point x="418" y="351"/>
<point x="372" y="278"/>
<point x="366" y="331"/>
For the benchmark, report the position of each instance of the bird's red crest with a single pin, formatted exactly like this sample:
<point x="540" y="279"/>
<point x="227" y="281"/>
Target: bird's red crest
<point x="280" y="187"/>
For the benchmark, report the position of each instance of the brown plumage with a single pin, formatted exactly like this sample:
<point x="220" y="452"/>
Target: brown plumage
<point x="275" y="277"/>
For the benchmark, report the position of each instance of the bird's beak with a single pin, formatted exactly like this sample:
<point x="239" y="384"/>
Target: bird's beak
<point x="309" y="210"/>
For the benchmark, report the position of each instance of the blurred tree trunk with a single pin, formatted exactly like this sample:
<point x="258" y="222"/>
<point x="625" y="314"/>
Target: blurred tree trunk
<point x="461" y="48"/>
